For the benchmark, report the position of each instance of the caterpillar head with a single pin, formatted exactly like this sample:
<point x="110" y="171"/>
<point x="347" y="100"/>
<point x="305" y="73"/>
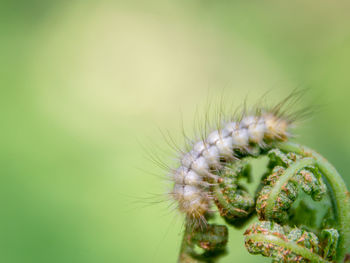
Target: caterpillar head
<point x="276" y="128"/>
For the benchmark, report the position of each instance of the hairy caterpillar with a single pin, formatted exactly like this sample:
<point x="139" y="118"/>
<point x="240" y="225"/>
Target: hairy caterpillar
<point x="290" y="228"/>
<point x="200" y="166"/>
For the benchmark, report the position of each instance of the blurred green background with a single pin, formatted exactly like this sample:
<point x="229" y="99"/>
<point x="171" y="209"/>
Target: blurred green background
<point x="85" y="84"/>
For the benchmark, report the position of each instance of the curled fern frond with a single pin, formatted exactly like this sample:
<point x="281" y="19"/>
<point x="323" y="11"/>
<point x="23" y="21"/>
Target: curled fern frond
<point x="271" y="240"/>
<point x="203" y="245"/>
<point x="330" y="242"/>
<point x="288" y="173"/>
<point x="287" y="230"/>
<point x="231" y="198"/>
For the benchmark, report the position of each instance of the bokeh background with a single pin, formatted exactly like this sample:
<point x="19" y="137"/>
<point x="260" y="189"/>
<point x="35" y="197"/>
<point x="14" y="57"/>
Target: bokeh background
<point x="85" y="85"/>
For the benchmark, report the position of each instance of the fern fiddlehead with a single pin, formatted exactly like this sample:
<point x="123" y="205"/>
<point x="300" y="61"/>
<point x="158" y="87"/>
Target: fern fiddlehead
<point x="301" y="202"/>
<point x="294" y="172"/>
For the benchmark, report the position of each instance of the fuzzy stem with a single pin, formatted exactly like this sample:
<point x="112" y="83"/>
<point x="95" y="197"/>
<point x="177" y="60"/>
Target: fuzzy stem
<point x="339" y="193"/>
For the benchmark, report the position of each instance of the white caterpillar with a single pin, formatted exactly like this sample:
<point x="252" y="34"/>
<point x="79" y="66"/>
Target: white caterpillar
<point x="198" y="166"/>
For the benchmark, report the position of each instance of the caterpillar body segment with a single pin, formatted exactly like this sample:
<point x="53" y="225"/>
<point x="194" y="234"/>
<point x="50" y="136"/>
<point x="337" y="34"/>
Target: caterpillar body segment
<point x="199" y="166"/>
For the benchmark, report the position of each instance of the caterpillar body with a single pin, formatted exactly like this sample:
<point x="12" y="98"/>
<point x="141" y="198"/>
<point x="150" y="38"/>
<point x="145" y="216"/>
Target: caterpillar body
<point x="199" y="167"/>
<point x="212" y="172"/>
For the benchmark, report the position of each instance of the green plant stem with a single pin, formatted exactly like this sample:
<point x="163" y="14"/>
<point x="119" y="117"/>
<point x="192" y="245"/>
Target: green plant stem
<point x="339" y="193"/>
